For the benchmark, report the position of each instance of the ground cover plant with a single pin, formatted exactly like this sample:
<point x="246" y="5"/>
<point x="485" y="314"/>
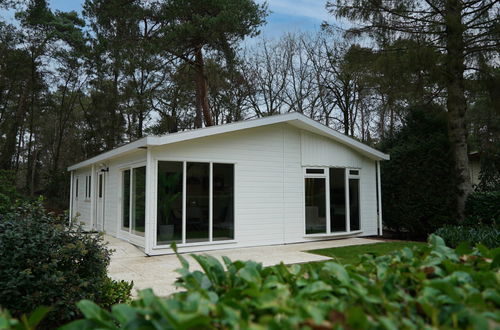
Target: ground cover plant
<point x="353" y="254"/>
<point x="45" y="262"/>
<point x="423" y="287"/>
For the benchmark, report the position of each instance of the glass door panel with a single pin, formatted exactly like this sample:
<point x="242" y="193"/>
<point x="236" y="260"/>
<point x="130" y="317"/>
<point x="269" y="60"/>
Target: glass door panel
<point x="354" y="203"/>
<point x="315" y="205"/>
<point x="139" y="200"/>
<point x="338" y="219"/>
<point x="169" y="203"/>
<point x="197" y="202"/>
<point x="126" y="200"/>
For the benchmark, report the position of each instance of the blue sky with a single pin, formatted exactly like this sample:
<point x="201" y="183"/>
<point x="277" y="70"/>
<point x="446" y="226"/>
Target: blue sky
<point x="286" y="15"/>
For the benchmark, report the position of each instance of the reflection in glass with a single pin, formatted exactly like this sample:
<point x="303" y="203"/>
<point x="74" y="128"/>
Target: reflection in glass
<point x="126" y="199"/>
<point x="197" y="202"/>
<point x="337" y="200"/>
<point x="315" y="205"/>
<point x="223" y="201"/>
<point x="169" y="203"/>
<point x="139" y="200"/>
<point x="354" y="203"/>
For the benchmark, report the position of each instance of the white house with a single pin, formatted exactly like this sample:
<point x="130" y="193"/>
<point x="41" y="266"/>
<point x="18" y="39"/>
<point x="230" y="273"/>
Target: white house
<point x="275" y="180"/>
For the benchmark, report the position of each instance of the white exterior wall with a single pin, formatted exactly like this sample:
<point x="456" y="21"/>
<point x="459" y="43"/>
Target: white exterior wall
<point x="269" y="180"/>
<point x="82" y="205"/>
<point x="112" y="192"/>
<point x="320" y="151"/>
<point x="269" y="183"/>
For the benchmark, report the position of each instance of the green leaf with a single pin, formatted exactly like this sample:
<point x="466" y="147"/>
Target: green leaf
<point x="337" y="271"/>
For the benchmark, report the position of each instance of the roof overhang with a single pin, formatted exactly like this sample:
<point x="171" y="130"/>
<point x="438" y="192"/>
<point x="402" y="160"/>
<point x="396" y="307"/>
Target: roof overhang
<point x="295" y="119"/>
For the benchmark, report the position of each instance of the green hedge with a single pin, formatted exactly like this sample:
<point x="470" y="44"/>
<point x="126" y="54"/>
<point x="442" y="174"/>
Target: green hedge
<point x="44" y="262"/>
<point x="419" y="182"/>
<point x="486" y="235"/>
<point x="483" y="208"/>
<point x="427" y="287"/>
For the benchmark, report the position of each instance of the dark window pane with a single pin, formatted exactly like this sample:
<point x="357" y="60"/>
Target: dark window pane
<point x="90" y="182"/>
<point x="126" y="200"/>
<point x="354" y="172"/>
<point x="315" y="205"/>
<point x="354" y="203"/>
<point x="197" y="202"/>
<point x="100" y="186"/>
<point x="223" y="202"/>
<point x="139" y="201"/>
<point x="169" y="203"/>
<point x="76" y="188"/>
<point x="315" y="171"/>
<point x="337" y="200"/>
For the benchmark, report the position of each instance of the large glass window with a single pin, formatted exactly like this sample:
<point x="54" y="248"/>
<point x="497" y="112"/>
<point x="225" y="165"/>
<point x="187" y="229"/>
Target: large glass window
<point x="332" y="200"/>
<point x="139" y="201"/>
<point x="126" y="200"/>
<point x="337" y="200"/>
<point x="208" y="202"/>
<point x="169" y="201"/>
<point x="223" y="201"/>
<point x="315" y="206"/>
<point x="354" y="203"/>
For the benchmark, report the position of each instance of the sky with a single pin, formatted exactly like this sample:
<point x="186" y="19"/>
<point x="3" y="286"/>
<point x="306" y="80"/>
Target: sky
<point x="286" y="15"/>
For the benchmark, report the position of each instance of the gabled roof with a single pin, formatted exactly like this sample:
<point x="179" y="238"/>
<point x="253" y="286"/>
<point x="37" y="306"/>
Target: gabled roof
<point x="293" y="118"/>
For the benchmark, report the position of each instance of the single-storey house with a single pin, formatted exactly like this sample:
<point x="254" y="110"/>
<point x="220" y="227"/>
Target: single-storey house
<point x="275" y="180"/>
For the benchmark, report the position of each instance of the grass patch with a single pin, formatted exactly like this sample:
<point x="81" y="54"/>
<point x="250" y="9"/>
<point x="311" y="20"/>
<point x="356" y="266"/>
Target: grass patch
<point x="352" y="254"/>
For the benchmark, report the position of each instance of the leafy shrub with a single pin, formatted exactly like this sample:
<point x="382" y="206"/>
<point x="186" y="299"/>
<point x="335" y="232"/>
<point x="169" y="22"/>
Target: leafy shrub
<point x="427" y="287"/>
<point x="483" y="208"/>
<point x="418" y="183"/>
<point x="486" y="235"/>
<point x="43" y="262"/>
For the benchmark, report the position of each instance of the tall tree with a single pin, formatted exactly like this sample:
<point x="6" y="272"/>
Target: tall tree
<point x="459" y="29"/>
<point x="190" y="28"/>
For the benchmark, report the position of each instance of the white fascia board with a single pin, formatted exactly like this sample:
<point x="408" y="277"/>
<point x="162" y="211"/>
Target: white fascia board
<point x="112" y="153"/>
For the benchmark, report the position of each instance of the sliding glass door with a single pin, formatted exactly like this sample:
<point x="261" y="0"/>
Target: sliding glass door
<point x="195" y="202"/>
<point x="332" y="200"/>
<point x="134" y="200"/>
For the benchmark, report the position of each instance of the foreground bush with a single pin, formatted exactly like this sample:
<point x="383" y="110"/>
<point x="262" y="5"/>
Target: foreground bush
<point x="427" y="287"/>
<point x="486" y="235"/>
<point x="483" y="208"/>
<point x="43" y="262"/>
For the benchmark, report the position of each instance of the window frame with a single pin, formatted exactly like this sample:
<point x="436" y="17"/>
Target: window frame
<point x="121" y="229"/>
<point x="326" y="175"/>
<point x="210" y="240"/>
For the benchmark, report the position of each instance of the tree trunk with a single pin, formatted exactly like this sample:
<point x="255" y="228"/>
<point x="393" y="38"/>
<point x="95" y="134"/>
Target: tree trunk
<point x="202" y="88"/>
<point x="456" y="102"/>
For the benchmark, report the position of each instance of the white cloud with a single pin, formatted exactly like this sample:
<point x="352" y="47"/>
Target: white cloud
<point x="302" y="8"/>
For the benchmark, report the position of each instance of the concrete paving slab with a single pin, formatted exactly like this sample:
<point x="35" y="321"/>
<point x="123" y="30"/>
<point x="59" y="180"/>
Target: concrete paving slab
<point x="159" y="273"/>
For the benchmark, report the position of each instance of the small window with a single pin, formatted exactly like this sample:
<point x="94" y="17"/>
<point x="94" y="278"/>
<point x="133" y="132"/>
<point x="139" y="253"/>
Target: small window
<point x="100" y="186"/>
<point x="88" y="181"/>
<point x="353" y="172"/>
<point x="76" y="188"/>
<point x="315" y="171"/>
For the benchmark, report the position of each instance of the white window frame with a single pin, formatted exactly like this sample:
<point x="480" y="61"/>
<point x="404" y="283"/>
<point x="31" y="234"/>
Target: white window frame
<point x="128" y="233"/>
<point x="326" y="176"/>
<point x="184" y="200"/>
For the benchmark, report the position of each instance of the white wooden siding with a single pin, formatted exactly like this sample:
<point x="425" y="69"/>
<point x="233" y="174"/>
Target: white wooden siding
<point x="269" y="182"/>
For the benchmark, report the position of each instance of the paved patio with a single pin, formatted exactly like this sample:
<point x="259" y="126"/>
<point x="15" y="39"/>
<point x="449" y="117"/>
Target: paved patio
<point x="131" y="264"/>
